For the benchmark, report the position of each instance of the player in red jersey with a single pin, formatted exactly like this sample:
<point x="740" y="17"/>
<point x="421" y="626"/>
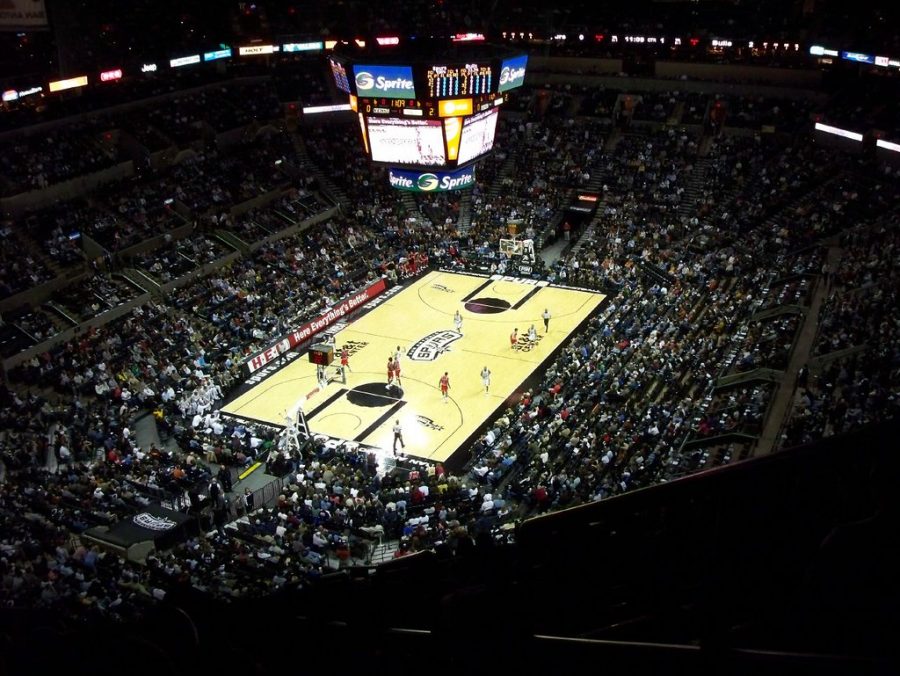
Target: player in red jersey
<point x="397" y="372"/>
<point x="444" y="385"/>
<point x="514" y="338"/>
<point x="345" y="358"/>
<point x="390" y="373"/>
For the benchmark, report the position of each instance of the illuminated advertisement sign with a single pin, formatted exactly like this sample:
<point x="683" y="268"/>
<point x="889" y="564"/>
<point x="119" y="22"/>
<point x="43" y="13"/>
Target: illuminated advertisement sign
<point x="255" y="50"/>
<point x="852" y="135"/>
<point x="384" y="81"/>
<point x="512" y="73"/>
<point x="478" y="135"/>
<point x="312" y="110"/>
<point x="184" y="61"/>
<point x="71" y="83"/>
<point x="819" y="50"/>
<point x="454" y="107"/>
<point x="858" y="57"/>
<point x="401" y="141"/>
<point x="13" y="95"/>
<point x="888" y="145"/>
<point x="440" y="181"/>
<point x="110" y="75"/>
<point x="218" y="54"/>
<point x="310" y="329"/>
<point x="22" y="14"/>
<point x="148" y="68"/>
<point x="340" y="75"/>
<point x="303" y="47"/>
<point x="387" y="41"/>
<point x="468" y="37"/>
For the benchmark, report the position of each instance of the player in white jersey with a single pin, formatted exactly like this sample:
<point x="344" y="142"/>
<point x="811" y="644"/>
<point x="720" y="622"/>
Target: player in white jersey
<point x="486" y="379"/>
<point x="457" y="320"/>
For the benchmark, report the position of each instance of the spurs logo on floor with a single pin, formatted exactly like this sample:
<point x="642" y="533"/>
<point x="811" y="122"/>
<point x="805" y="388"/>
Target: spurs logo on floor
<point x="441" y="287"/>
<point x="354" y="346"/>
<point x="433" y="345"/>
<point x="147" y="520"/>
<point x="429" y="423"/>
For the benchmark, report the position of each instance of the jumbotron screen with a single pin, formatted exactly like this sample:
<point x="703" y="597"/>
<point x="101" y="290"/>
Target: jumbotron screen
<point x="477" y="135"/>
<point x="409" y="142"/>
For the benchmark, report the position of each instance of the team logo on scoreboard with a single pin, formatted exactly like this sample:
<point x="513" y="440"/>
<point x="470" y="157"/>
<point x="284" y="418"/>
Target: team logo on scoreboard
<point x="365" y="80"/>
<point x="433" y="345"/>
<point x="427" y="182"/>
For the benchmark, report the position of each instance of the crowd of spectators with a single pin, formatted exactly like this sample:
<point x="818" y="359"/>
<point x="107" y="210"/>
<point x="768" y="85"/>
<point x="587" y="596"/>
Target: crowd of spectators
<point x="37" y="161"/>
<point x="855" y="380"/>
<point x="630" y="400"/>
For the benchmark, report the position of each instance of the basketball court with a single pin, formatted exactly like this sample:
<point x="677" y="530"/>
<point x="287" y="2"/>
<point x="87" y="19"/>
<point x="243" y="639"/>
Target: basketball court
<point x="420" y="321"/>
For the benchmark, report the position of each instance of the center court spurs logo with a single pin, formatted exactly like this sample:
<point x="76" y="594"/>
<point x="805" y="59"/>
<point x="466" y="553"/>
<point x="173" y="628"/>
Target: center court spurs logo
<point x="433" y="345"/>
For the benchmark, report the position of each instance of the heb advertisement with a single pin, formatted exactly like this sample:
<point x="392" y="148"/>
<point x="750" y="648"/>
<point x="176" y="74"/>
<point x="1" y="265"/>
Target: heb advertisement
<point x="384" y="81"/>
<point x="20" y="14"/>
<point x="512" y="73"/>
<point x="441" y="181"/>
<point x="311" y="328"/>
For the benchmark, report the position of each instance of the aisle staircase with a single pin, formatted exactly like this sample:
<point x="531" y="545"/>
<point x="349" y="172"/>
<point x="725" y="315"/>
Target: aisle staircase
<point x="464" y="220"/>
<point x="328" y="188"/>
<point x="694" y="189"/>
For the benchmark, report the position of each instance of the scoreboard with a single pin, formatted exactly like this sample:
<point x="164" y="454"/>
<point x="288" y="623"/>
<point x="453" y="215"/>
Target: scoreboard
<point x="434" y="113"/>
<point x="470" y="79"/>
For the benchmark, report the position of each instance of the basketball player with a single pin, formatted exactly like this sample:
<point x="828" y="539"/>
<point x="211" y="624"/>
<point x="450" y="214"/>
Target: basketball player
<point x="457" y="320"/>
<point x="397" y="372"/>
<point x="532" y="333"/>
<point x="486" y="379"/>
<point x="546" y="317"/>
<point x="345" y="358"/>
<point x="397" y="355"/>
<point x="398" y="436"/>
<point x="444" y="384"/>
<point x="321" y="377"/>
<point x="513" y="338"/>
<point x="390" y="373"/>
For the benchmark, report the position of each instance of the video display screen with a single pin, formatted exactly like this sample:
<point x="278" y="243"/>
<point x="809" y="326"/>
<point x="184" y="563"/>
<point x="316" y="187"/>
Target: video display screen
<point x="512" y="73"/>
<point x="393" y="82"/>
<point x="340" y="76"/>
<point x="398" y="141"/>
<point x="477" y="136"/>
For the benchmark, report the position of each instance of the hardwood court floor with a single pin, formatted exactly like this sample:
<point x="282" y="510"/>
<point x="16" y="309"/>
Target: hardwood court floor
<point x="419" y="320"/>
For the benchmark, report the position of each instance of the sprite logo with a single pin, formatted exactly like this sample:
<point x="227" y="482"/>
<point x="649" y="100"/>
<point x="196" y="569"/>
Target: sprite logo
<point x="427" y="182"/>
<point x="364" y="80"/>
<point x="504" y="76"/>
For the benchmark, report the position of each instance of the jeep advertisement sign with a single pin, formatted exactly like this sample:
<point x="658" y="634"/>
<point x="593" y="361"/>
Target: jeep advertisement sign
<point x="438" y="181"/>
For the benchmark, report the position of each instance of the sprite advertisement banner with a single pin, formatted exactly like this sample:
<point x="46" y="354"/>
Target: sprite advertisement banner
<point x="394" y="82"/>
<point x="438" y="181"/>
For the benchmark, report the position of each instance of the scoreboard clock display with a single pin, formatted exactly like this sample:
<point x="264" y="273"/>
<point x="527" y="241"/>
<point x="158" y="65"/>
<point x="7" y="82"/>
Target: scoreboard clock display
<point x="433" y="108"/>
<point x="471" y="79"/>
